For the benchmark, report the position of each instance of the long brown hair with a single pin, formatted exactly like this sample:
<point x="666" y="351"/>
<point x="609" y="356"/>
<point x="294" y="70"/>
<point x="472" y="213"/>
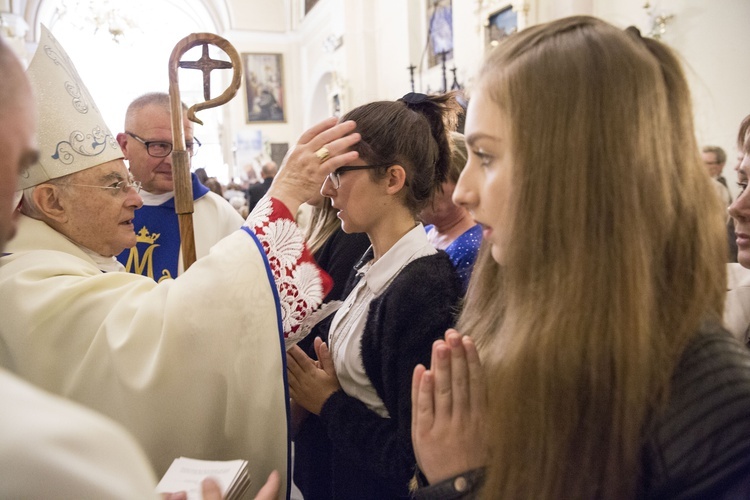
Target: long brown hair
<point x="323" y="223"/>
<point x="615" y="257"/>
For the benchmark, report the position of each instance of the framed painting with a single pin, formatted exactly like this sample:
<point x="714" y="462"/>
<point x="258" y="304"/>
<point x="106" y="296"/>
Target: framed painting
<point x="309" y="4"/>
<point x="499" y="25"/>
<point x="440" y="31"/>
<point x="264" y="87"/>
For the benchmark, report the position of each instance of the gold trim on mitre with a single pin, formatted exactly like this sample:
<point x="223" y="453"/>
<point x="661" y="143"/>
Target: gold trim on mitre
<point x="72" y="135"/>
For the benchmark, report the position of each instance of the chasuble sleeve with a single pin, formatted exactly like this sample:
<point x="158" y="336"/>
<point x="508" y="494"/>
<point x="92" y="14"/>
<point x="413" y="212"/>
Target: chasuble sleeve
<point x="301" y="285"/>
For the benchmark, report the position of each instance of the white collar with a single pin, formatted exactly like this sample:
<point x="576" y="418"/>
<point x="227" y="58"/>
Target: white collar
<point x="155" y="199"/>
<point x="106" y="264"/>
<point x="412" y="245"/>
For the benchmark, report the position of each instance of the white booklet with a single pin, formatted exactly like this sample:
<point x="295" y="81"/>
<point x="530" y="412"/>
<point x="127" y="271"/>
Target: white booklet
<point x="186" y="474"/>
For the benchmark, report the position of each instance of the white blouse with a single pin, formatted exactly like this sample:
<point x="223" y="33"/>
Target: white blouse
<point x="345" y="337"/>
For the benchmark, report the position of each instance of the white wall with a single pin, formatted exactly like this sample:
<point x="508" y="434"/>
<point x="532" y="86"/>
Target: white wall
<point x="383" y="37"/>
<point x="712" y="37"/>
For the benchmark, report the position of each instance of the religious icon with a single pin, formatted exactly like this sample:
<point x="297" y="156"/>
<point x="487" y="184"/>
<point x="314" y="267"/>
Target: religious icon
<point x="264" y="86"/>
<point x="440" y="35"/>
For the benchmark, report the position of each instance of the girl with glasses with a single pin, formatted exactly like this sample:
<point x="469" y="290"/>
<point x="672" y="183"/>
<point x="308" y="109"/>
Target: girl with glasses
<point x="401" y="297"/>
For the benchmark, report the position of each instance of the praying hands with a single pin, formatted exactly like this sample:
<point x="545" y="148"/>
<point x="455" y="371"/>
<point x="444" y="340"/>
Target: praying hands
<point x="449" y="406"/>
<point x="311" y="382"/>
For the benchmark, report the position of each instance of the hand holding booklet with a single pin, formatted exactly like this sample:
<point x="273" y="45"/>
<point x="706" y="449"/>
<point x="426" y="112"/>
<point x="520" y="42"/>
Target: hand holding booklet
<point x="186" y="474"/>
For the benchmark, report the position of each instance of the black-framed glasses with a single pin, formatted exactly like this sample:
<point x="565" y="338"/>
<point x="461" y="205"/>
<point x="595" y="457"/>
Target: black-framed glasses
<point x="162" y="149"/>
<point x="121" y="187"/>
<point x="335" y="176"/>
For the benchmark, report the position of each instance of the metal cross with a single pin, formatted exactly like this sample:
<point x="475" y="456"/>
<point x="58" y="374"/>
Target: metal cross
<point x="206" y="65"/>
<point x="411" y="69"/>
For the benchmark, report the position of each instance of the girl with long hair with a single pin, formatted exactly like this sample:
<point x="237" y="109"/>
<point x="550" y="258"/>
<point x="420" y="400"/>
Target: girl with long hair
<point x="596" y="305"/>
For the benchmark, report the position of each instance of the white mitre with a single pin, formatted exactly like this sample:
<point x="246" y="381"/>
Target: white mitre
<point x="72" y="135"/>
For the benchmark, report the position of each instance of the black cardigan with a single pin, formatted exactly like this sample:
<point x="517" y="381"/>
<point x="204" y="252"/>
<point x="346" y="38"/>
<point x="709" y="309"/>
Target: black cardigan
<point x="373" y="456"/>
<point x="312" y="448"/>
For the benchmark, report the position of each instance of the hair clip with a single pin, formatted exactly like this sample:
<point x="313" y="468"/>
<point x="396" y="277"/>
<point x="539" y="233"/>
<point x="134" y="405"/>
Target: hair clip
<point x="414" y="98"/>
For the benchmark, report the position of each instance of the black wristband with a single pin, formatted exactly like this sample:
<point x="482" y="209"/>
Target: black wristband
<point x="464" y="485"/>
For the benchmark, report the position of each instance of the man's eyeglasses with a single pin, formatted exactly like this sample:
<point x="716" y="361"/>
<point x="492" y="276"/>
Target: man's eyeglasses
<point x="162" y="149"/>
<point x="335" y="176"/>
<point x="121" y="187"/>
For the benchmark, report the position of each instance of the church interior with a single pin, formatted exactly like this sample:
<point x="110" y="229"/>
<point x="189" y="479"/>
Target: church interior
<point x="144" y="348"/>
<point x="323" y="57"/>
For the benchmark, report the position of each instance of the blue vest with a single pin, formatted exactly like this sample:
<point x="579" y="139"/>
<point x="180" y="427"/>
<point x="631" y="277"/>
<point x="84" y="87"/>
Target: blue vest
<point x="157" y="250"/>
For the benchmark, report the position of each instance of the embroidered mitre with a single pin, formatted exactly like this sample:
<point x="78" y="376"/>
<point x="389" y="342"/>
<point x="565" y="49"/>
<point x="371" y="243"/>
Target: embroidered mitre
<point x="72" y="132"/>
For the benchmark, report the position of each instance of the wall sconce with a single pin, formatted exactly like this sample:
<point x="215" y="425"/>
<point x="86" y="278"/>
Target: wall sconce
<point x="332" y="43"/>
<point x="657" y="22"/>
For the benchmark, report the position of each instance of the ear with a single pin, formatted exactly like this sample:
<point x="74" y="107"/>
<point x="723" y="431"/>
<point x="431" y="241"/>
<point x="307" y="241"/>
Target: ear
<point x="396" y="179"/>
<point x="47" y="199"/>
<point x="122" y="140"/>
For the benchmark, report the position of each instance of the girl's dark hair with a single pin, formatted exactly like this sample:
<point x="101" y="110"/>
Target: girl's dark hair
<point x="413" y="132"/>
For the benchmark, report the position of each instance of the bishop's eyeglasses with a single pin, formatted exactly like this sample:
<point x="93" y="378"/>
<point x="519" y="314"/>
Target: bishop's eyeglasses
<point x="116" y="188"/>
<point x="162" y="149"/>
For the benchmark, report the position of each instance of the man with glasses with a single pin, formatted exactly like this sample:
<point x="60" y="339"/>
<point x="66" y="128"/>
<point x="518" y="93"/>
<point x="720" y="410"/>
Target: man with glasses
<point x="714" y="158"/>
<point x="147" y="145"/>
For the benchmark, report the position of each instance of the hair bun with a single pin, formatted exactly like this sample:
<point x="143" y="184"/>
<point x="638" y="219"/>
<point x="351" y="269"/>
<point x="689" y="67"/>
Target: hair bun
<point x="414" y="98"/>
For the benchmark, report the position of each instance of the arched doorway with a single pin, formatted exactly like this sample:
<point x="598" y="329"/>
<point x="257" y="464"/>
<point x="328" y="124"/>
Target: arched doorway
<point x="121" y="49"/>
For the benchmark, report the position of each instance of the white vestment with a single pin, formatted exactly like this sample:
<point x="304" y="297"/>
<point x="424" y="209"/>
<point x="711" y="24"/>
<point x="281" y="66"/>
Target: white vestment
<point x="52" y="448"/>
<point x="192" y="367"/>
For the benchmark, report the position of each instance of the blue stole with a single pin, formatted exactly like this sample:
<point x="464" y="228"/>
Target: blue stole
<point x="157" y="250"/>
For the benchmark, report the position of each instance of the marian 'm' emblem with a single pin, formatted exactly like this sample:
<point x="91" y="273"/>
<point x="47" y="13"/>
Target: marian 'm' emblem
<point x="137" y="264"/>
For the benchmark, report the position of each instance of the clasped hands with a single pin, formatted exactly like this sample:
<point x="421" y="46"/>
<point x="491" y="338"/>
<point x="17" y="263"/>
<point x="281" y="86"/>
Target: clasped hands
<point x="311" y="382"/>
<point x="449" y="407"/>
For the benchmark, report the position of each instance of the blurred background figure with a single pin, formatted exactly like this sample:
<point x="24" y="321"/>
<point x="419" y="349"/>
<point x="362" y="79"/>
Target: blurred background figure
<point x="451" y="227"/>
<point x="201" y="174"/>
<point x="214" y="185"/>
<point x="256" y="191"/>
<point x="714" y="158"/>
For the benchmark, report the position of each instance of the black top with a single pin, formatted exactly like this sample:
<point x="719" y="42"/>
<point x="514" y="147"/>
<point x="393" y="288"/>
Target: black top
<point x="372" y="456"/>
<point x="257" y="191"/>
<point x="312" y="448"/>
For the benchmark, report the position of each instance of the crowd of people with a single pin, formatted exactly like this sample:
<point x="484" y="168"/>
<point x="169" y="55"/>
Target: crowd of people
<point x="561" y="329"/>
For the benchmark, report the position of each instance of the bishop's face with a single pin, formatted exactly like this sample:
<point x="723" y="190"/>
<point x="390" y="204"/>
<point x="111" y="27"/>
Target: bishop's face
<point x="100" y="219"/>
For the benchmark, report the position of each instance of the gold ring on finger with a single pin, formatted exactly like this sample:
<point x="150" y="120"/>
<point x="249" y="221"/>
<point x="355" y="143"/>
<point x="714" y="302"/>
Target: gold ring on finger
<point x="323" y="154"/>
